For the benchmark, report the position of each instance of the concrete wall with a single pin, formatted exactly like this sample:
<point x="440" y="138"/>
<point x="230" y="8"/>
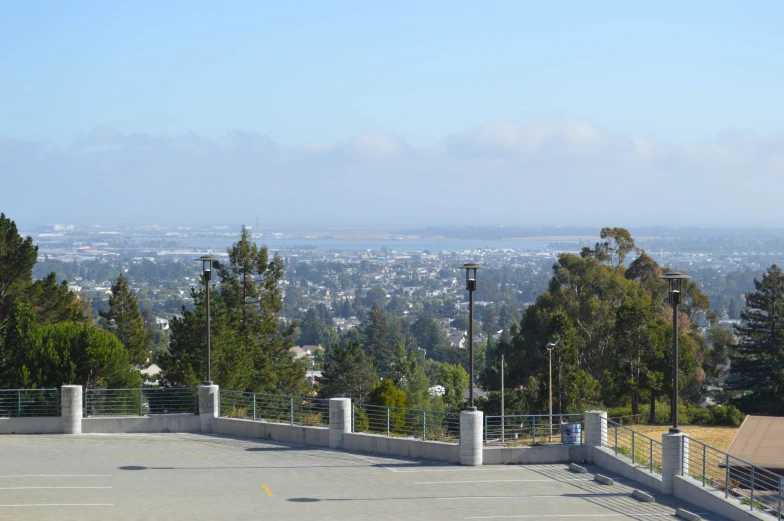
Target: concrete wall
<point x="606" y="459"/>
<point x="406" y="447"/>
<point x="538" y="454"/>
<point x="692" y="491"/>
<point x="126" y="424"/>
<point x="318" y="436"/>
<point x="40" y="425"/>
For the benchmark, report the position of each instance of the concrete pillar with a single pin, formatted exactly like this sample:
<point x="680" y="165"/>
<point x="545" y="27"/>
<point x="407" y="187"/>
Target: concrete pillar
<point x="71" y="408"/>
<point x="595" y="427"/>
<point x="339" y="421"/>
<point x="471" y="430"/>
<point x="675" y="458"/>
<point x="208" y="406"/>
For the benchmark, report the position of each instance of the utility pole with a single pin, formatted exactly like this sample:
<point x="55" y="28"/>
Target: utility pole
<point x="503" y="416"/>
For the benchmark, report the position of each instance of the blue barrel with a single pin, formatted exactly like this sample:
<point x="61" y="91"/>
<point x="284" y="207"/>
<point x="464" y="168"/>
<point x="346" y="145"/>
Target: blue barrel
<point x="571" y="434"/>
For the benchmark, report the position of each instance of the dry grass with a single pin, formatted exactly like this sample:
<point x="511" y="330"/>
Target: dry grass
<point x="718" y="437"/>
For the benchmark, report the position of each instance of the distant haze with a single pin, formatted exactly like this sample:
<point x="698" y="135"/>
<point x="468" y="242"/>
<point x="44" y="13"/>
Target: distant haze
<point x="555" y="171"/>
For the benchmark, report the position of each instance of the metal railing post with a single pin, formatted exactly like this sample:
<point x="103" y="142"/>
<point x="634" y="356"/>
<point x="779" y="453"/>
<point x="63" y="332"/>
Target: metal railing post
<point x="291" y="410"/>
<point x="19" y="403"/>
<point x="424" y="425"/>
<point x="780" y="487"/>
<point x="651" y="456"/>
<point x="704" y="449"/>
<point x="387" y="422"/>
<point x="254" y="406"/>
<point x="616" y="440"/>
<point x="485" y="430"/>
<point x="141" y="402"/>
<point x="727" y="476"/>
<point x="632" y="447"/>
<point x="751" y="502"/>
<point x="533" y="431"/>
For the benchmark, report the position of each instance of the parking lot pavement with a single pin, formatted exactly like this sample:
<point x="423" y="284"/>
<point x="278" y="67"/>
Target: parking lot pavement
<point x="191" y="476"/>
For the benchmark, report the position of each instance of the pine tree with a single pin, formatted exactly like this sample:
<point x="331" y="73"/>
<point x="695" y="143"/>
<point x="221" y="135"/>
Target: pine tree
<point x="758" y="366"/>
<point x="249" y="347"/>
<point x="124" y="320"/>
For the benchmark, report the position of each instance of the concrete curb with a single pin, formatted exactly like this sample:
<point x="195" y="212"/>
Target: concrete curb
<point x="642" y="496"/>
<point x="577" y="468"/>
<point x="688" y="516"/>
<point x="603" y="479"/>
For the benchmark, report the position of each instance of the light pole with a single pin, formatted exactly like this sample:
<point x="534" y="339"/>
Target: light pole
<point x="206" y="266"/>
<point x="503" y="415"/>
<point x="470" y="269"/>
<point x="675" y="280"/>
<point x="550" y="348"/>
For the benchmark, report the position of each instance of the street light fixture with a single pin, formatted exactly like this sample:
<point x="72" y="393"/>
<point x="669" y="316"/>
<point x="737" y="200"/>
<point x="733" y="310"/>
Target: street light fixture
<point x="550" y="346"/>
<point x="470" y="269"/>
<point x="206" y="267"/>
<point x="675" y="281"/>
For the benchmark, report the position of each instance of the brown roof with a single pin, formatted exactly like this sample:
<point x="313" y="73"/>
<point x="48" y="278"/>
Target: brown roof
<point x="760" y="441"/>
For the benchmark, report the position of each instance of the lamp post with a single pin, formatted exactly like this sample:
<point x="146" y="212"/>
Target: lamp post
<point x="206" y="266"/>
<point x="675" y="280"/>
<point x="470" y="269"/>
<point x="550" y="348"/>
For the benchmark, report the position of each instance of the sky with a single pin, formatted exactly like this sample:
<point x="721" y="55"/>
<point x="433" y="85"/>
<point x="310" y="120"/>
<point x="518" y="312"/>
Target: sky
<point x="498" y="112"/>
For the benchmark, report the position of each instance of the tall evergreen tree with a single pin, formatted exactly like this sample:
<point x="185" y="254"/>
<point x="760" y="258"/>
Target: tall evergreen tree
<point x="124" y="320"/>
<point x="377" y="338"/>
<point x="250" y="348"/>
<point x="351" y="373"/>
<point x="758" y="366"/>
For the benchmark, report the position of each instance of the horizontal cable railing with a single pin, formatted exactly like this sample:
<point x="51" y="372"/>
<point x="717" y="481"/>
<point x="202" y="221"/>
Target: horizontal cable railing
<point x="408" y="423"/>
<point x="141" y="402"/>
<point x="753" y="486"/>
<point x="21" y="403"/>
<point x="534" y="429"/>
<point x="644" y="452"/>
<point x="294" y="410"/>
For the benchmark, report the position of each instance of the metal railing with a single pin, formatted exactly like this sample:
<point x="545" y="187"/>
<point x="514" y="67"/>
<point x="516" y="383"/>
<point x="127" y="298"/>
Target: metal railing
<point x="294" y="410"/>
<point x="22" y="403"/>
<point x="141" y="402"/>
<point x="756" y="487"/>
<point x="406" y="423"/>
<point x="644" y="452"/>
<point x="534" y="429"/>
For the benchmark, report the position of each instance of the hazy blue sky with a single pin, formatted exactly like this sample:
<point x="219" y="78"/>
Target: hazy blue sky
<point x="336" y="100"/>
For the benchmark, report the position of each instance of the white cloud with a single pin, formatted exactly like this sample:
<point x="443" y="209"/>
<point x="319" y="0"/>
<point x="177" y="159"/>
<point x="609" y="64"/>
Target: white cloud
<point x="555" y="171"/>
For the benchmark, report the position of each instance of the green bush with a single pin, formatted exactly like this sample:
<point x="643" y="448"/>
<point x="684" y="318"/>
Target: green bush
<point x="688" y="414"/>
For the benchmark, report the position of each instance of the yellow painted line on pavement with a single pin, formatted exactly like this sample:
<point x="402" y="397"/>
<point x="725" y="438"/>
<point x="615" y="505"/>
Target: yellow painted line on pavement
<point x="267" y="489"/>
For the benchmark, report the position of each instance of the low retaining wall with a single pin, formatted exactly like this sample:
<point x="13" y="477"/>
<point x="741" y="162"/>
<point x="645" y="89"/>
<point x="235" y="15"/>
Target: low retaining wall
<point x="712" y="500"/>
<point x="299" y="434"/>
<point x="538" y="454"/>
<point x="606" y="459"/>
<point x="39" y="425"/>
<point x="128" y="424"/>
<point x="406" y="447"/>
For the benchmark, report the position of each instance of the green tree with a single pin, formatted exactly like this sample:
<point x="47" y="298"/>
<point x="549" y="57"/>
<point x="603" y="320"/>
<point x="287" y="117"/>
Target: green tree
<point x="311" y="330"/>
<point x="455" y="381"/>
<point x="65" y="353"/>
<point x="377" y="338"/>
<point x="758" y="366"/>
<point x="387" y="394"/>
<point x="51" y="302"/>
<point x="250" y="349"/>
<point x="350" y="373"/>
<point x="124" y="320"/>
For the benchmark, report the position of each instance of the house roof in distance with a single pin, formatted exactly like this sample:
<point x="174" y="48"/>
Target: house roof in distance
<point x="760" y="441"/>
